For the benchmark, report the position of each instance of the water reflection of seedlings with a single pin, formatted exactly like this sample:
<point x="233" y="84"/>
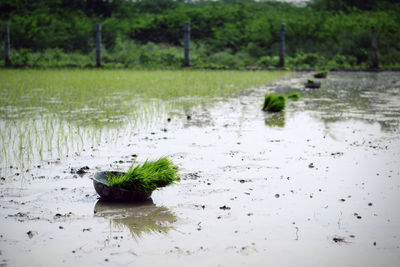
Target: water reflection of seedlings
<point x="275" y="120"/>
<point x="139" y="219"/>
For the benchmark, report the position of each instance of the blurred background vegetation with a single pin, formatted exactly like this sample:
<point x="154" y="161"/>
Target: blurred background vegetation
<point x="224" y="34"/>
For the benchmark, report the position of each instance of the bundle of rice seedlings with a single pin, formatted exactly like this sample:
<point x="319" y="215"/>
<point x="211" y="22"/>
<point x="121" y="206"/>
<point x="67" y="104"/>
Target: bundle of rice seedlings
<point x="321" y="74"/>
<point x="274" y="102"/>
<point x="294" y="96"/>
<point x="147" y="177"/>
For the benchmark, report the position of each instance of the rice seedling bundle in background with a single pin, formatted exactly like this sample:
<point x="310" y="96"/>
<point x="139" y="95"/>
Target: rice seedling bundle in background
<point x="294" y="96"/>
<point x="274" y="102"/>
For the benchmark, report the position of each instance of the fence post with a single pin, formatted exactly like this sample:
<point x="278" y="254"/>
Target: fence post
<point x="98" y="45"/>
<point x="282" y="47"/>
<point x="7" y="46"/>
<point x="375" y="62"/>
<point x="186" y="61"/>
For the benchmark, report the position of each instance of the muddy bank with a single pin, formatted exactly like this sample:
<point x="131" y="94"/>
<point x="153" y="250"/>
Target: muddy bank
<point x="319" y="182"/>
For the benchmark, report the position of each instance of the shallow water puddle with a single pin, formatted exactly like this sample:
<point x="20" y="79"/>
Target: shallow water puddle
<point x="315" y="186"/>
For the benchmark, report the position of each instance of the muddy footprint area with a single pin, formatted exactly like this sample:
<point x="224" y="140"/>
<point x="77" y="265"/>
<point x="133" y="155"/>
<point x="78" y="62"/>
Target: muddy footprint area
<point x="315" y="185"/>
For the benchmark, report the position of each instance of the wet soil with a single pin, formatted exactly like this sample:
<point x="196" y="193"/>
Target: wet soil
<point x="317" y="185"/>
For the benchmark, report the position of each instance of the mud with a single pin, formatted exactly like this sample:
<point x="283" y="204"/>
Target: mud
<point x="317" y="185"/>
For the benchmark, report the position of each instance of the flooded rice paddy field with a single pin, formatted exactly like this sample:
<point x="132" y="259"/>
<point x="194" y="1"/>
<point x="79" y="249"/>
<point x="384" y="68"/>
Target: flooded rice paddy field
<point x="317" y="185"/>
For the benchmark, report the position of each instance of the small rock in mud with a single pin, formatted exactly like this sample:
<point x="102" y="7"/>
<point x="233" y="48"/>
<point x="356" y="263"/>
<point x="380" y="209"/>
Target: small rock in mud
<point x="191" y="176"/>
<point x="311" y="165"/>
<point x="59" y="215"/>
<point x="32" y="233"/>
<point x="225" y="207"/>
<point x="82" y="170"/>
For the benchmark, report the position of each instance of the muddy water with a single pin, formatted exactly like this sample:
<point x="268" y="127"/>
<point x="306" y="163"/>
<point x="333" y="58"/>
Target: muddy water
<point x="318" y="185"/>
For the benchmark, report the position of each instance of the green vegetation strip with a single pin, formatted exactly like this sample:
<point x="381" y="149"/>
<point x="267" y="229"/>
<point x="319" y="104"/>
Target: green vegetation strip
<point x="147" y="177"/>
<point x="107" y="92"/>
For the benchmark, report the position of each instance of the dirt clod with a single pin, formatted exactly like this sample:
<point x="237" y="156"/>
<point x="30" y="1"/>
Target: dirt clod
<point x="339" y="240"/>
<point x="32" y="233"/>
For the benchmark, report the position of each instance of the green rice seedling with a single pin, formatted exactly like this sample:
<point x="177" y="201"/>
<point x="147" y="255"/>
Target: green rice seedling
<point x="147" y="177"/>
<point x="321" y="74"/>
<point x="294" y="96"/>
<point x="312" y="84"/>
<point x="274" y="102"/>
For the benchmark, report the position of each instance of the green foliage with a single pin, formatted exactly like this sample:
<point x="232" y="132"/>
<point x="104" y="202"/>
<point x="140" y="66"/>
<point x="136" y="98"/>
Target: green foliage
<point x="325" y="33"/>
<point x="274" y="102"/>
<point x="307" y="60"/>
<point x="268" y="61"/>
<point x="294" y="96"/>
<point x="147" y="177"/>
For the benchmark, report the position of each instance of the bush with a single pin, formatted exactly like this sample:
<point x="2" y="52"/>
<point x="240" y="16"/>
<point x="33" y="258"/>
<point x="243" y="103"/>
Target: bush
<point x="225" y="59"/>
<point x="268" y="61"/>
<point x="306" y="60"/>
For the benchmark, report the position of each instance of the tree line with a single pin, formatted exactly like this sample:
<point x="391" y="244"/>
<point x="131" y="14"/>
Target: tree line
<point x="229" y="32"/>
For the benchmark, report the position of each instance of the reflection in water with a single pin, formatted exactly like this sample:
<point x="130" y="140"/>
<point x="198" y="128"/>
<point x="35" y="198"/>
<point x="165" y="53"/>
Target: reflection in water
<point x="275" y="120"/>
<point x="139" y="219"/>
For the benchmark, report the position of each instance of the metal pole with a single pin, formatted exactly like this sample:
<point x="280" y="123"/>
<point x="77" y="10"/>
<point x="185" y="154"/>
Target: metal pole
<point x="186" y="61"/>
<point x="282" y="47"/>
<point x="98" y="45"/>
<point x="7" y="46"/>
<point x="375" y="62"/>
